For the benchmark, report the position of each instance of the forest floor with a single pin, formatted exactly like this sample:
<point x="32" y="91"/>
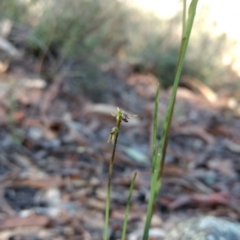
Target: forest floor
<point x="54" y="156"/>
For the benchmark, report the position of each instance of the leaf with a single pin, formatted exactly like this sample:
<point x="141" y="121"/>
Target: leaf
<point x="159" y="162"/>
<point x="127" y="207"/>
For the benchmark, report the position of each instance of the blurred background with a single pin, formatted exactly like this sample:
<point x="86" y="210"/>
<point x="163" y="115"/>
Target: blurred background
<point x="133" y="33"/>
<point x="65" y="65"/>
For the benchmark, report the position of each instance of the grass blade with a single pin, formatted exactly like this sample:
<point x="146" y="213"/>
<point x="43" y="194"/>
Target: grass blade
<point x="183" y="49"/>
<point x="184" y="17"/>
<point x="155" y="127"/>
<point x="159" y="162"/>
<point x="128" y="207"/>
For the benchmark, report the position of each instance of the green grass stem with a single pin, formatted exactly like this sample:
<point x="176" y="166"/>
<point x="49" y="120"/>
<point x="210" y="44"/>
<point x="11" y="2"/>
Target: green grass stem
<point x="110" y="170"/>
<point x="155" y="127"/>
<point x="124" y="230"/>
<point x="158" y="163"/>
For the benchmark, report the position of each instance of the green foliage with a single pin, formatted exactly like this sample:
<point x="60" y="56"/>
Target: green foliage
<point x="154" y="44"/>
<point x="13" y="9"/>
<point x="123" y="237"/>
<point x="99" y="31"/>
<point x="88" y="29"/>
<point x="159" y="150"/>
<point x="204" y="60"/>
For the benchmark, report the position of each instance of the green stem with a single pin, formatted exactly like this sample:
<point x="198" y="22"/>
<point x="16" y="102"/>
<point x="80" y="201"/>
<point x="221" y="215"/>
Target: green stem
<point x="155" y="128"/>
<point x="127" y="208"/>
<point x="110" y="170"/>
<point x="159" y="161"/>
<point x="184" y="16"/>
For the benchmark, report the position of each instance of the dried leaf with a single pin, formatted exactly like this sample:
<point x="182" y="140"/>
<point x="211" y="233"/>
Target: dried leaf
<point x="32" y="221"/>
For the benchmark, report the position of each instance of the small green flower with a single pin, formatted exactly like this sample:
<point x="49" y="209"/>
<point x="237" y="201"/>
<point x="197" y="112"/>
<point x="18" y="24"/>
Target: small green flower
<point x="122" y="116"/>
<point x="118" y="115"/>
